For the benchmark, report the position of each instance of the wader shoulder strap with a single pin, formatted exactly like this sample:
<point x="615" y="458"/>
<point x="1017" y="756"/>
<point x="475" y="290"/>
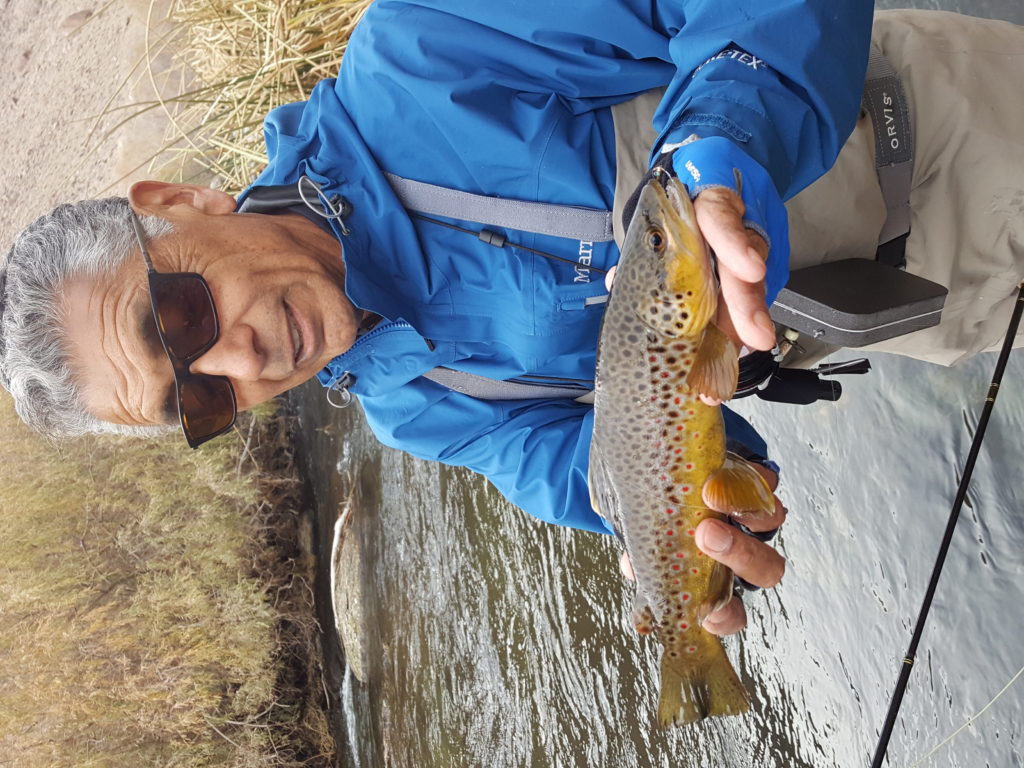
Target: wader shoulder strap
<point x="886" y="102"/>
<point x="485" y="388"/>
<point x="574" y="222"/>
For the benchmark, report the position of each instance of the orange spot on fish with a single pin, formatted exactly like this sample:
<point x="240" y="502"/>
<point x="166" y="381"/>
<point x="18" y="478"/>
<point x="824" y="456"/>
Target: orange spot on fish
<point x="686" y="489"/>
<point x="691" y="532"/>
<point x="683" y="625"/>
<point x="675" y="567"/>
<point x="692" y="648"/>
<point x="670" y="532"/>
<point x="680" y="554"/>
<point x="695" y="570"/>
<point x="689" y="466"/>
<point x="669" y="511"/>
<point x="686" y="596"/>
<point x="679" y="400"/>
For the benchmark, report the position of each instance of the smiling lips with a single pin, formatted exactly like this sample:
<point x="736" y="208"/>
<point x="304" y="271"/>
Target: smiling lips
<point x="298" y="343"/>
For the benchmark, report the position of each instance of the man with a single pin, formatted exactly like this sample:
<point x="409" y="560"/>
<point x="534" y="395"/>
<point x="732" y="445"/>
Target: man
<point x="486" y="99"/>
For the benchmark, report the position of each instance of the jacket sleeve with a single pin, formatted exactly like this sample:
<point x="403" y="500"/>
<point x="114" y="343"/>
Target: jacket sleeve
<point x="782" y="79"/>
<point x="535" y="452"/>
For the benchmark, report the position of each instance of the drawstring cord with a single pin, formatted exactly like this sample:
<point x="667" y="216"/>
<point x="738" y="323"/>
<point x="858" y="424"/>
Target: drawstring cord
<point x="338" y="206"/>
<point x="500" y="241"/>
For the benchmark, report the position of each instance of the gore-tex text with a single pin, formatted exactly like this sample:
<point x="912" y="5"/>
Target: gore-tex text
<point x="736" y="55"/>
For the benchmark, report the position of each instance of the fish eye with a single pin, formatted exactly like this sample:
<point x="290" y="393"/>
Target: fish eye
<point x="656" y="239"/>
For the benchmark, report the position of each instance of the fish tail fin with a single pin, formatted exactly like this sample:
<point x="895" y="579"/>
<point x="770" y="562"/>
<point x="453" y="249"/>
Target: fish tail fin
<point x="690" y="693"/>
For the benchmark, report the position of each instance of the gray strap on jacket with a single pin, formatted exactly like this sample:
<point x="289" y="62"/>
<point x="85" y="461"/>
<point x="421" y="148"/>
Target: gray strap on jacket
<point x="886" y="102"/>
<point x="574" y="222"/>
<point x="485" y="388"/>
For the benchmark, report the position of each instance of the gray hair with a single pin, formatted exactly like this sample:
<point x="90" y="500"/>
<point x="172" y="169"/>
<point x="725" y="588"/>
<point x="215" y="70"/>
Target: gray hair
<point x="90" y="238"/>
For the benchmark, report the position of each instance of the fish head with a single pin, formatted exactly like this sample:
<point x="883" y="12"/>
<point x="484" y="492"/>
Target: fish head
<point x="666" y="262"/>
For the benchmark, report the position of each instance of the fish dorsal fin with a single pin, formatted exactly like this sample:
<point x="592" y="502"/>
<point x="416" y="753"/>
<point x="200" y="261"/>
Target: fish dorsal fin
<point x="715" y="366"/>
<point x="736" y="488"/>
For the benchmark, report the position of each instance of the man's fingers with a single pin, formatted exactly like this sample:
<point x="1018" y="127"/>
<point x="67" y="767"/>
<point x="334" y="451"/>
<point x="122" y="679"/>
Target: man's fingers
<point x="770" y="475"/>
<point x="731" y="617"/>
<point x="626" y="567"/>
<point x="750" y="559"/>
<point x="741" y="255"/>
<point x="743" y="315"/>
<point x="609" y="277"/>
<point x="720" y="219"/>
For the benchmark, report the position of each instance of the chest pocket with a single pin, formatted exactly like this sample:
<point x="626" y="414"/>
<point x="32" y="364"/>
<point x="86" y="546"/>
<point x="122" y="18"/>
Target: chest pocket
<point x="560" y="284"/>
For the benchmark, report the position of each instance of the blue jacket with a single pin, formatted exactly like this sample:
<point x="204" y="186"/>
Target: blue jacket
<point x="512" y="99"/>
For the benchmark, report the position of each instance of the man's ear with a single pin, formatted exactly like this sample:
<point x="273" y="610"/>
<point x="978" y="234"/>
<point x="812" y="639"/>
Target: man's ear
<point x="154" y="197"/>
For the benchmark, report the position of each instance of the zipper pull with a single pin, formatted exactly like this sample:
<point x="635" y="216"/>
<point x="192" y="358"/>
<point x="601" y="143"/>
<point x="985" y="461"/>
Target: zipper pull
<point x="341" y="384"/>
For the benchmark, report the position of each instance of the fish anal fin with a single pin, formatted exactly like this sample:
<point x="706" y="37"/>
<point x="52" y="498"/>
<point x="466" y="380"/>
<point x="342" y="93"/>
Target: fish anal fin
<point x="736" y="488"/>
<point x="693" y="691"/>
<point x="715" y="368"/>
<point x="719" y="591"/>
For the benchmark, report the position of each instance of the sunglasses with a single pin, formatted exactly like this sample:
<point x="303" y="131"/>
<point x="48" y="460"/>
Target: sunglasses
<point x="186" y="321"/>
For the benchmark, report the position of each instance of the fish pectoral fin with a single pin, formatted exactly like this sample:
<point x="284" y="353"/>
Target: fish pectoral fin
<point x="603" y="497"/>
<point x="719" y="591"/>
<point x="716" y="366"/>
<point x="736" y="488"/>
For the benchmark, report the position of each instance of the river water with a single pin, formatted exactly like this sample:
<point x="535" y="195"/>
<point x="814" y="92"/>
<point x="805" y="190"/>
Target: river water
<point x="493" y="640"/>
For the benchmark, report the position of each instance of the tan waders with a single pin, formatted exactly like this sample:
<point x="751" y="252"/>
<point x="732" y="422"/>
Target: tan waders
<point x="961" y="78"/>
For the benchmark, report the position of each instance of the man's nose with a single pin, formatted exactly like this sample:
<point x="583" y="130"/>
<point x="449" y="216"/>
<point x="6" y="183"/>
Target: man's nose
<point x="235" y="354"/>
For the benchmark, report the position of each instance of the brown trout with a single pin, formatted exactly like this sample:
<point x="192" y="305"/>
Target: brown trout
<point x="656" y="445"/>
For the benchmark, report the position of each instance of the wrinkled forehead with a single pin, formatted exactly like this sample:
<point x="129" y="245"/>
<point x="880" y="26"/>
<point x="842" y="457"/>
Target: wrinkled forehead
<point x="108" y="323"/>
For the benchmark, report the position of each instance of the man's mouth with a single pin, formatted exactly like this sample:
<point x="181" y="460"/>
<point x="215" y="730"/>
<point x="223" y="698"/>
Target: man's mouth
<point x="298" y="341"/>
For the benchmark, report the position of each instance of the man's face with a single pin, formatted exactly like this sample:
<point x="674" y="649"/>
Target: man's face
<point x="277" y="283"/>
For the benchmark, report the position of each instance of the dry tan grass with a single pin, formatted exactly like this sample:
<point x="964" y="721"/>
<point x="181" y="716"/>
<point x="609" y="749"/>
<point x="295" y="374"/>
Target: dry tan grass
<point x="143" y="592"/>
<point x="246" y="57"/>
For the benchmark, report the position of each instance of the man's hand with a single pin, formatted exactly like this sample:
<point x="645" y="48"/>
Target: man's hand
<point x="750" y="559"/>
<point x="741" y="254"/>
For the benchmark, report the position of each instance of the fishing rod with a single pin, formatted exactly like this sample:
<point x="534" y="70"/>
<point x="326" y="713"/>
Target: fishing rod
<point x="961" y="494"/>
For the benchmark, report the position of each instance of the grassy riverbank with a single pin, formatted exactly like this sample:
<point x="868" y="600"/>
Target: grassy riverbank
<point x="155" y="602"/>
<point x="154" y="606"/>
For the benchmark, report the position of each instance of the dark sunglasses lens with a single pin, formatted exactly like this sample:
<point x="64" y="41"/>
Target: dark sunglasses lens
<point x="184" y="307"/>
<point x="207" y="406"/>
